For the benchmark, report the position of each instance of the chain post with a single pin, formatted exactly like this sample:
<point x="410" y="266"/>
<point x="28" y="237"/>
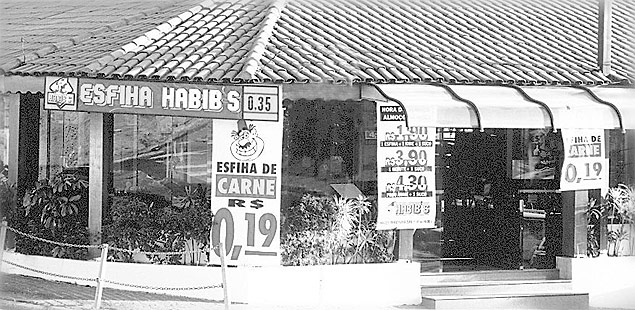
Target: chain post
<point x="100" y="276"/>
<point x="3" y="237"/>
<point x="223" y="267"/>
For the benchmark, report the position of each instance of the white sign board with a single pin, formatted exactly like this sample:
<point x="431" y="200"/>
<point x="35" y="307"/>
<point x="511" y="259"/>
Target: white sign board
<point x="405" y="171"/>
<point x="246" y="193"/>
<point x="585" y="165"/>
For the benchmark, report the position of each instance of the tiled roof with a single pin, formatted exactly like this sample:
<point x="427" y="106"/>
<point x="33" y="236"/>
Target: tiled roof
<point x="623" y="43"/>
<point x="30" y="29"/>
<point x="322" y="41"/>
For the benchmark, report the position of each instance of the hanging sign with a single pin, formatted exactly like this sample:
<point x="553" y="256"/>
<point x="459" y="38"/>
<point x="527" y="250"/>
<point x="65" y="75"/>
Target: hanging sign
<point x="585" y="165"/>
<point x="246" y="174"/>
<point x="405" y="172"/>
<point x="172" y="99"/>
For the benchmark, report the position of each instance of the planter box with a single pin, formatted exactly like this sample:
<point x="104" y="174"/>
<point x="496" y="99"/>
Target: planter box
<point x="608" y="280"/>
<point x="361" y="284"/>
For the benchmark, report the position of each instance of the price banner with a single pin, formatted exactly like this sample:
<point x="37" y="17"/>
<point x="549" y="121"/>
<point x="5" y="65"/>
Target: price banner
<point x="586" y="165"/>
<point x="405" y="167"/>
<point x="260" y="102"/>
<point x="246" y="175"/>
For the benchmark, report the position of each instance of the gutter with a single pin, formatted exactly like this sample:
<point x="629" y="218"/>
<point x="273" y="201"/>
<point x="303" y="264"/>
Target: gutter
<point x="604" y="36"/>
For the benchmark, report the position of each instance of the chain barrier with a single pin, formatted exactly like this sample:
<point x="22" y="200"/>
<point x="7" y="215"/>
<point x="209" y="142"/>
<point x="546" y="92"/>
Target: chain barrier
<point x="159" y="288"/>
<point x="84" y="246"/>
<point x="87" y="246"/>
<point x="153" y="253"/>
<point x="159" y="253"/>
<point x="48" y="273"/>
<point x="98" y="280"/>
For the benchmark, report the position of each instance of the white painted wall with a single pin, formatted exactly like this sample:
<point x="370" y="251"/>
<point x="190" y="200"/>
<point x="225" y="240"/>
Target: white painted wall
<point x="610" y="281"/>
<point x="361" y="284"/>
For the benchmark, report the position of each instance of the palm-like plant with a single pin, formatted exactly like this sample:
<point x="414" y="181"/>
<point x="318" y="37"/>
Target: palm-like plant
<point x="348" y="215"/>
<point x="594" y="215"/>
<point x="620" y="209"/>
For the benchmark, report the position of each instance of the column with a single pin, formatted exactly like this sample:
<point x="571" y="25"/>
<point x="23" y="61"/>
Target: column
<point x="574" y="229"/>
<point x="629" y="156"/>
<point x="24" y="143"/>
<point x="406" y="239"/>
<point x="101" y="129"/>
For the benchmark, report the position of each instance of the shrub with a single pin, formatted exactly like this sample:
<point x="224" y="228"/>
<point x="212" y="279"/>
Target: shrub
<point x="319" y="231"/>
<point x="55" y="209"/>
<point x="8" y="198"/>
<point x="150" y="223"/>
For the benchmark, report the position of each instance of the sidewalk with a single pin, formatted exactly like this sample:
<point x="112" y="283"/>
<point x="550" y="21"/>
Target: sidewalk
<point x="28" y="293"/>
<point x="19" y="292"/>
<point x="42" y="294"/>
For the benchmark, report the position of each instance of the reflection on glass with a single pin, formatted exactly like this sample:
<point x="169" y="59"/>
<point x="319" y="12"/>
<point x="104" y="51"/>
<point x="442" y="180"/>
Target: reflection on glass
<point x="4" y="136"/>
<point x="64" y="144"/>
<point x="161" y="155"/>
<point x="322" y="146"/>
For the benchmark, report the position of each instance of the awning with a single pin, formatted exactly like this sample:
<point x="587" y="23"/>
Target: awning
<point x="623" y="98"/>
<point x="461" y="106"/>
<point x="21" y="84"/>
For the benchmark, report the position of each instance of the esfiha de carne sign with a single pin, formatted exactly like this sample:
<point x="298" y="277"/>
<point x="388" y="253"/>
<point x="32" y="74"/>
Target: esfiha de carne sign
<point x="173" y="99"/>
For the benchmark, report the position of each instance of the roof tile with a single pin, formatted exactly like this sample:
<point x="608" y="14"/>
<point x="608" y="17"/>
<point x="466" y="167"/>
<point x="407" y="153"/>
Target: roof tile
<point x="147" y="72"/>
<point x="456" y="41"/>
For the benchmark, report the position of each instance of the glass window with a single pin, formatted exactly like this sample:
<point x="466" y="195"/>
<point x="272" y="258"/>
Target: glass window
<point x="618" y="169"/>
<point x="64" y="144"/>
<point x="4" y="135"/>
<point x="161" y="155"/>
<point x="498" y="199"/>
<point x="325" y="143"/>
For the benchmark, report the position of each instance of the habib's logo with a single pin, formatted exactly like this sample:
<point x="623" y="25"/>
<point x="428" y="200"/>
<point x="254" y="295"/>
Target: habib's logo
<point x="61" y="94"/>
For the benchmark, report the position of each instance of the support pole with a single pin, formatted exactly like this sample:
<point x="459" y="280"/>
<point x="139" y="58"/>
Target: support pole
<point x="3" y="237"/>
<point x="100" y="277"/>
<point x="223" y="266"/>
<point x="100" y="161"/>
<point x="574" y="229"/>
<point x="406" y="250"/>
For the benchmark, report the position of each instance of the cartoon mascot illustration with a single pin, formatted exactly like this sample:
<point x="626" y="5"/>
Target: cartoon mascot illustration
<point x="61" y="86"/>
<point x="246" y="146"/>
<point x="61" y="93"/>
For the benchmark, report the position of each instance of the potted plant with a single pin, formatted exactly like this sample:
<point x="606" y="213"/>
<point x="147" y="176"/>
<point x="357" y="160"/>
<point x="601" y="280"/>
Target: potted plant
<point x="594" y="218"/>
<point x="618" y="210"/>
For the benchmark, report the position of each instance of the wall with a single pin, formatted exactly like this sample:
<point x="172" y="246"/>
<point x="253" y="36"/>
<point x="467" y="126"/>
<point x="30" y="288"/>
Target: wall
<point x="610" y="281"/>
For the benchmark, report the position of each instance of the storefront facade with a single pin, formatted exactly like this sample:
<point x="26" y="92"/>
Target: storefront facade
<point x="490" y="174"/>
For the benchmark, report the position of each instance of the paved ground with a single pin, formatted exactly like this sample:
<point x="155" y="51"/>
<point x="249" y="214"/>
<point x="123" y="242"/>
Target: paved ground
<point x="24" y="292"/>
<point x="19" y="292"/>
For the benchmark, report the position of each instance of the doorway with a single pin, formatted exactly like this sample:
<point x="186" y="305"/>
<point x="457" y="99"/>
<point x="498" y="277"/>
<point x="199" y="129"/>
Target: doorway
<point x="481" y="217"/>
